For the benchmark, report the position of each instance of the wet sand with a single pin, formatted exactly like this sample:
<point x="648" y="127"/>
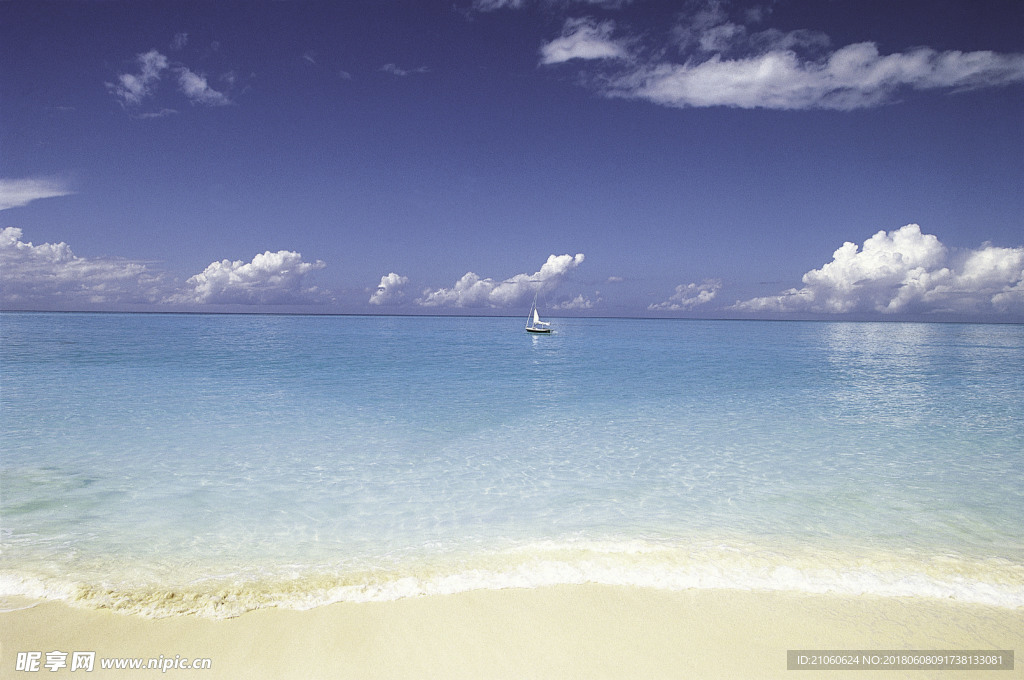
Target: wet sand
<point x="580" y="631"/>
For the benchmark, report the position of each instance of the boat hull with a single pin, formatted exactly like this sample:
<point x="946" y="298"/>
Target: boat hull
<point x="537" y="330"/>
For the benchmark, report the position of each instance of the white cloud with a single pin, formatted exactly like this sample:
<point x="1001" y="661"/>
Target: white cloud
<point x="15" y="193"/>
<point x="50" y="275"/>
<point x="390" y="291"/>
<point x="133" y="88"/>
<point x="473" y="291"/>
<point x="606" y="4"/>
<point x="578" y="302"/>
<point x="198" y="90"/>
<point x="724" y="64"/>
<point x="853" y="77"/>
<point x="583" y="39"/>
<point x="271" y="278"/>
<point x="162" y="113"/>
<point x="492" y="5"/>
<point x="708" y="30"/>
<point x="689" y="296"/>
<point x="401" y="72"/>
<point x="180" y="41"/>
<point x="906" y="271"/>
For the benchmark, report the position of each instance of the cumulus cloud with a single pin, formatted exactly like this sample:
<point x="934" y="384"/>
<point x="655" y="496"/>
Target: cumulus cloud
<point x="583" y="39"/>
<point x="270" y="278"/>
<point x="50" y="275"/>
<point x="689" y="296"/>
<point x="15" y="193"/>
<point x="724" y="63"/>
<point x="473" y="291"/>
<point x="390" y="291"/>
<point x="906" y="271"/>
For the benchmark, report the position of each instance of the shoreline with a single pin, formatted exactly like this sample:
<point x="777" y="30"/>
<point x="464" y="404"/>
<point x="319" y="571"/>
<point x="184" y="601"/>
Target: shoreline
<point x="567" y="631"/>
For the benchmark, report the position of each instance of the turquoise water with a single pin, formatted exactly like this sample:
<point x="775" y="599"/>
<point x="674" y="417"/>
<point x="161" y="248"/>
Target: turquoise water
<point x="212" y="464"/>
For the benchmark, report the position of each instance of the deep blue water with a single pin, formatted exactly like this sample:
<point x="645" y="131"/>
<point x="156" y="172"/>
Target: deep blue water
<point x="240" y="461"/>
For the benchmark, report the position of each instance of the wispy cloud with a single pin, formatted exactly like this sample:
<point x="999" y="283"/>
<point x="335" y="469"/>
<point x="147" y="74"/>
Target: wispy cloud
<point x="50" y="275"/>
<point x="162" y="113"/>
<point x="401" y="72"/>
<point x="133" y="89"/>
<point x="906" y="271"/>
<point x="179" y="42"/>
<point x="270" y="278"/>
<point x="198" y="90"/>
<point x="725" y="63"/>
<point x="391" y="290"/>
<point x="853" y="77"/>
<point x="473" y="291"/>
<point x="689" y="296"/>
<point x="493" y="5"/>
<point x="15" y="193"/>
<point x="583" y="39"/>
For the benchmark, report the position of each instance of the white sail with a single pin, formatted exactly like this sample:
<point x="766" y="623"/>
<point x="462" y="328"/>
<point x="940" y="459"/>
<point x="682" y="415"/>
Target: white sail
<point x="536" y="325"/>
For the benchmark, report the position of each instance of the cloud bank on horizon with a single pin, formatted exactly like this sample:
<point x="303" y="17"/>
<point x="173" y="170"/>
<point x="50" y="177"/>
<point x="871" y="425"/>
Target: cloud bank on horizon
<point x="270" y="278"/>
<point x="708" y="59"/>
<point x="473" y="291"/>
<point x="50" y="275"/>
<point x="906" y="271"/>
<point x="903" y="271"/>
<point x="689" y="296"/>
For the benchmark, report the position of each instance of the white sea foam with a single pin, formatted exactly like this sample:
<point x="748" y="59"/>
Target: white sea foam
<point x="639" y="564"/>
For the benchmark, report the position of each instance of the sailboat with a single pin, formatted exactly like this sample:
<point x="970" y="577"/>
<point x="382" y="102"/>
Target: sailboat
<point x="533" y="322"/>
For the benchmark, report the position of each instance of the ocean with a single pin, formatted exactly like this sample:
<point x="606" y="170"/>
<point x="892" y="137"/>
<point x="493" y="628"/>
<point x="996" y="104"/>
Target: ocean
<point x="213" y="464"/>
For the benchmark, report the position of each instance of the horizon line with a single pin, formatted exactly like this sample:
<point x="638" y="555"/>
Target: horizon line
<point x="821" y="319"/>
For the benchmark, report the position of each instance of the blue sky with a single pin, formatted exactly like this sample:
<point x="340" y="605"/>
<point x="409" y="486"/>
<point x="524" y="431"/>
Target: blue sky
<point x="618" y="157"/>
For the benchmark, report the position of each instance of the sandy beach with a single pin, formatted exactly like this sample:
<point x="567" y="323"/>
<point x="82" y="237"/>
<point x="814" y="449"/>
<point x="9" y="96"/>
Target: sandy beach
<point x="585" y="631"/>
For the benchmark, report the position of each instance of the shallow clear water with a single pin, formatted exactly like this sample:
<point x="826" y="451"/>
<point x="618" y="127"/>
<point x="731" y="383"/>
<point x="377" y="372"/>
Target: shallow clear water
<point x="211" y="464"/>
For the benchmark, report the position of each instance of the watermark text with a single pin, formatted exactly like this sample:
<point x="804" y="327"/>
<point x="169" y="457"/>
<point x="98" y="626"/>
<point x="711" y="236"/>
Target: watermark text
<point x="37" y="662"/>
